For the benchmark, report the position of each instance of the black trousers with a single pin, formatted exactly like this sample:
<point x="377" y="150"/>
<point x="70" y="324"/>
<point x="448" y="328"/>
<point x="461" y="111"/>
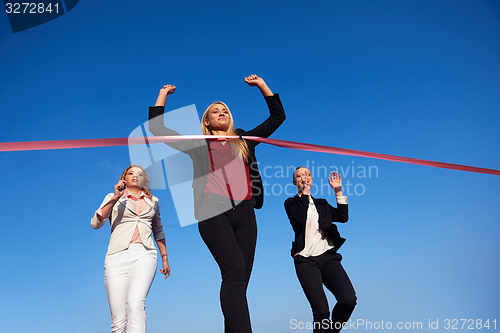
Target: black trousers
<point x="325" y="269"/>
<point x="231" y="237"/>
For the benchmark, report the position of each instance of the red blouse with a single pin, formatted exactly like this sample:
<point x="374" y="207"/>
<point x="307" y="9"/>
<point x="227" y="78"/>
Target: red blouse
<point x="229" y="175"/>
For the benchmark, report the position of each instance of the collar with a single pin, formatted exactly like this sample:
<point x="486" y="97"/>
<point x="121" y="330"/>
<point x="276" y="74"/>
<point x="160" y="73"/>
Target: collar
<point x="300" y="196"/>
<point x="126" y="194"/>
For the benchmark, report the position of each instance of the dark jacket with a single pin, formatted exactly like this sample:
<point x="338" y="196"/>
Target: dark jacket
<point x="296" y="208"/>
<point x="198" y="150"/>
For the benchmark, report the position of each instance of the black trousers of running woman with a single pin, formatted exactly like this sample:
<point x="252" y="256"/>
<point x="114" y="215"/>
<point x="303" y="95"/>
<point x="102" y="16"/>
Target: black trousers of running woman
<point x="228" y="228"/>
<point x="231" y="237"/>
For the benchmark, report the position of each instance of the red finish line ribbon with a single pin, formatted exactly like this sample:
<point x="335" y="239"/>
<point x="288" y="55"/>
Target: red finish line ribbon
<point x="92" y="143"/>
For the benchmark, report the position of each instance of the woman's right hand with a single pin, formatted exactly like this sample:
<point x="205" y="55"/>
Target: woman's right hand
<point x="168" y="89"/>
<point x="119" y="188"/>
<point x="118" y="191"/>
<point x="305" y="188"/>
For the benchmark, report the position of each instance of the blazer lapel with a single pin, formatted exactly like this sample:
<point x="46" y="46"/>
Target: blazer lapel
<point x="126" y="202"/>
<point x="151" y="206"/>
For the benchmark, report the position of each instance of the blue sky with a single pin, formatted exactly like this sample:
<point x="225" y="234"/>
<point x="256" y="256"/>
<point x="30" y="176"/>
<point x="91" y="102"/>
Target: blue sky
<point x="411" y="78"/>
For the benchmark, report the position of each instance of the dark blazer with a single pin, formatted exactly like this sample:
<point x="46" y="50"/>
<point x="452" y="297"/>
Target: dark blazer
<point x="198" y="150"/>
<point x="296" y="209"/>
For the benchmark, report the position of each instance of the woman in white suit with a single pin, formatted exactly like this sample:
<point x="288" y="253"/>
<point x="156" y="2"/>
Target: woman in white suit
<point x="131" y="260"/>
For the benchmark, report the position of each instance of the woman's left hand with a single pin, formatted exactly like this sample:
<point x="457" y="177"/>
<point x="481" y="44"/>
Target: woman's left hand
<point x="254" y="81"/>
<point x="166" y="268"/>
<point x="335" y="181"/>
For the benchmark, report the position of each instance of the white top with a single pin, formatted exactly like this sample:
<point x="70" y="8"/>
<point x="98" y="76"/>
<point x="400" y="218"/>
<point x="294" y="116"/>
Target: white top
<point x="316" y="242"/>
<point x="124" y="219"/>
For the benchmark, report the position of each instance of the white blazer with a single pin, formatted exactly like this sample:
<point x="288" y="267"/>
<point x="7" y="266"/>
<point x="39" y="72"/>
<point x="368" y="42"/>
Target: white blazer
<point x="124" y="219"/>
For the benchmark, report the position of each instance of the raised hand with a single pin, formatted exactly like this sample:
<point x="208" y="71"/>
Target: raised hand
<point x="255" y="81"/>
<point x="303" y="182"/>
<point x="305" y="187"/>
<point x="168" y="89"/>
<point x="118" y="191"/>
<point x="119" y="188"/>
<point x="335" y="181"/>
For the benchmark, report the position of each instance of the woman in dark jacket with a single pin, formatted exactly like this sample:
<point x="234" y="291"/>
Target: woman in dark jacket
<point x="314" y="250"/>
<point x="227" y="186"/>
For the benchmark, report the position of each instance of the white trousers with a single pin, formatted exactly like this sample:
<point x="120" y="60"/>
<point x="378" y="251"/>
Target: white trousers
<point x="128" y="275"/>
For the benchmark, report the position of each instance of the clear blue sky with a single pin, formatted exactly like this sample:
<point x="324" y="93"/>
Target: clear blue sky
<point x="412" y="78"/>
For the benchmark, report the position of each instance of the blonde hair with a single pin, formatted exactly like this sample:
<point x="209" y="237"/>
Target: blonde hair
<point x="238" y="145"/>
<point x="145" y="187"/>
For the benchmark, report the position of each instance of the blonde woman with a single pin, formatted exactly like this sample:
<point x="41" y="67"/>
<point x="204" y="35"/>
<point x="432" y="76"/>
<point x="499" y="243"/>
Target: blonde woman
<point x="227" y="187"/>
<point x="131" y="260"/>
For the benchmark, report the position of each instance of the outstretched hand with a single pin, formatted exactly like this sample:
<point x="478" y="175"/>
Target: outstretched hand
<point x="335" y="181"/>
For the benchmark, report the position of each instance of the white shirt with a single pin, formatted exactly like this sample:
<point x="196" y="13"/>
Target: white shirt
<point x="316" y="242"/>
